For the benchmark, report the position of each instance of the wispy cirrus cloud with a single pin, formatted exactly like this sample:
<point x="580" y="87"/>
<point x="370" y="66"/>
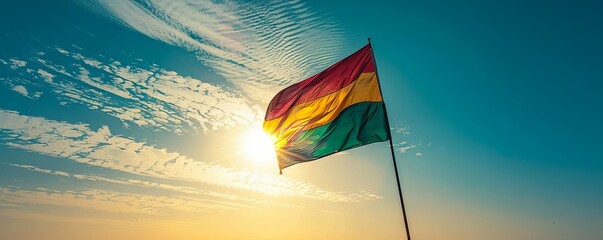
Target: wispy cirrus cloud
<point x="148" y="97"/>
<point x="404" y="146"/>
<point x="227" y="197"/>
<point x="253" y="44"/>
<point x="104" y="200"/>
<point x="101" y="148"/>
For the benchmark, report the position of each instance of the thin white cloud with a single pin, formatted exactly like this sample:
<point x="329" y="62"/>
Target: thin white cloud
<point x="63" y="51"/>
<point x="16" y="63"/>
<point x="404" y="147"/>
<point x="110" y="201"/>
<point x="156" y="185"/>
<point x="401" y="130"/>
<point x="103" y="149"/>
<point x="257" y="45"/>
<point x="21" y="90"/>
<point x="153" y="97"/>
<point x="40" y="170"/>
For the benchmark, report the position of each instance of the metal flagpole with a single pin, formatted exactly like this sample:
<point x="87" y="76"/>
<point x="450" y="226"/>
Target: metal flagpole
<point x="391" y="146"/>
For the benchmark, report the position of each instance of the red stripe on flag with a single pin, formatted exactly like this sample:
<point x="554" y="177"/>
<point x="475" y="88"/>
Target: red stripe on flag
<point x="328" y="81"/>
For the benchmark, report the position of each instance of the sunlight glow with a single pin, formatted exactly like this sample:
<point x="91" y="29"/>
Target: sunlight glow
<point x="258" y="146"/>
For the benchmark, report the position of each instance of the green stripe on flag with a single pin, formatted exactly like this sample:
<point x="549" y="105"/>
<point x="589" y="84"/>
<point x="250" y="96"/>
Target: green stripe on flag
<point x="360" y="124"/>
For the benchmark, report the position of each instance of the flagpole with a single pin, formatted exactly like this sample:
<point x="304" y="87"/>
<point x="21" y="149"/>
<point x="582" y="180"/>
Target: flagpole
<point x="391" y="146"/>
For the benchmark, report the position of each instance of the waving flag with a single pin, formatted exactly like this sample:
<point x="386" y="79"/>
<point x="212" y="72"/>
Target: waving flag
<point x="337" y="109"/>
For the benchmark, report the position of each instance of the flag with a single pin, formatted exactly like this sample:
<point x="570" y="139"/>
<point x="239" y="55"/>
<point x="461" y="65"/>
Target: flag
<point x="337" y="109"/>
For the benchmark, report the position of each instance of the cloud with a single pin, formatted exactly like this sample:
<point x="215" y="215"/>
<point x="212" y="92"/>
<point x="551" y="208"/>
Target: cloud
<point x="16" y="63"/>
<point x="401" y="130"/>
<point x="253" y="44"/>
<point x="109" y="201"/>
<point x="404" y="147"/>
<point x="46" y="171"/>
<point x="148" y="97"/>
<point x="150" y="184"/>
<point x="22" y="90"/>
<point x="63" y="51"/>
<point x="103" y="149"/>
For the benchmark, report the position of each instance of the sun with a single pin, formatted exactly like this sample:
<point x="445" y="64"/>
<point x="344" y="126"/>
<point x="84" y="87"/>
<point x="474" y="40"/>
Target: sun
<point x="258" y="146"/>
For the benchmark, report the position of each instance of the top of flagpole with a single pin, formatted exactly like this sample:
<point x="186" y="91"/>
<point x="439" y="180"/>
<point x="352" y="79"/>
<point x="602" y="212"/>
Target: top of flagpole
<point x="369" y="40"/>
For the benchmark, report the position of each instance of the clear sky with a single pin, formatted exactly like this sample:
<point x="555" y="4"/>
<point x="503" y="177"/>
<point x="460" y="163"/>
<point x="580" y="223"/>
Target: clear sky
<point x="140" y="120"/>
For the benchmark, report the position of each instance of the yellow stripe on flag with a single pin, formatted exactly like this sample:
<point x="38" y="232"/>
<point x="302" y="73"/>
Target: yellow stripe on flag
<point x="323" y="110"/>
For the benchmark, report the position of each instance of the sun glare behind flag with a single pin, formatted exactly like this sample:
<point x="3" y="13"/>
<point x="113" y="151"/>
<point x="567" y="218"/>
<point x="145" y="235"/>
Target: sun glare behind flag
<point x="337" y="109"/>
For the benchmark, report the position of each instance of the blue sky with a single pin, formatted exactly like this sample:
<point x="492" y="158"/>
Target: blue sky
<point x="137" y="114"/>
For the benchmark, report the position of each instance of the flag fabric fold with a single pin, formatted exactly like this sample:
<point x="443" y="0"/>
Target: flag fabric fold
<point x="335" y="110"/>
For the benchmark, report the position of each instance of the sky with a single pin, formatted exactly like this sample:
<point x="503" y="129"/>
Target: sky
<point x="141" y="120"/>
